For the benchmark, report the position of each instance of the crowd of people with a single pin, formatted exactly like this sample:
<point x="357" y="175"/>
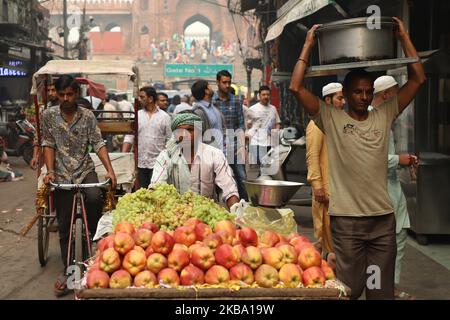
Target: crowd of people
<point x="185" y="50"/>
<point x="227" y="125"/>
<point x="359" y="211"/>
<point x="197" y="143"/>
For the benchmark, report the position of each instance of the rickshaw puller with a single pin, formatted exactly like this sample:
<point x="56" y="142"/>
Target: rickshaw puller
<point x="67" y="131"/>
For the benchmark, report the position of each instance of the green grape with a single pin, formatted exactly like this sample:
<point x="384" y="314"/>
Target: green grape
<point x="164" y="206"/>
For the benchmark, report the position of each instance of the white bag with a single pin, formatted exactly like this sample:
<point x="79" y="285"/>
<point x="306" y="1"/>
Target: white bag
<point x="104" y="226"/>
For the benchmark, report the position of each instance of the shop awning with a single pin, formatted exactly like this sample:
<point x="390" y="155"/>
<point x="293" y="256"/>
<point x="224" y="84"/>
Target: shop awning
<point x="294" y="10"/>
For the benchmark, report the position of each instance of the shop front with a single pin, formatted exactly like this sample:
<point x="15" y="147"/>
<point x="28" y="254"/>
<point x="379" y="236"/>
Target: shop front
<point x="424" y="127"/>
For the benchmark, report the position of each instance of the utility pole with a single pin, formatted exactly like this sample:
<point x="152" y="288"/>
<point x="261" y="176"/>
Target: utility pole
<point x="66" y="29"/>
<point x="82" y="42"/>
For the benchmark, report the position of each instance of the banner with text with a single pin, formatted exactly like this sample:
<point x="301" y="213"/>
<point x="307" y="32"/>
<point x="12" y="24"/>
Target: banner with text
<point x="195" y="70"/>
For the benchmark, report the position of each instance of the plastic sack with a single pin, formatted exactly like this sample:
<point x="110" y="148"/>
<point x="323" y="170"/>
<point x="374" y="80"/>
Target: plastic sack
<point x="261" y="219"/>
<point x="104" y="226"/>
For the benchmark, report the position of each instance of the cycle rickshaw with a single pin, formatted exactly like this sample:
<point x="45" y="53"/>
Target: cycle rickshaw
<point x="123" y="163"/>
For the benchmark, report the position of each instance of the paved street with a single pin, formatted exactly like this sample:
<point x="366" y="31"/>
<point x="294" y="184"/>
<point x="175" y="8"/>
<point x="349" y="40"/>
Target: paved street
<point x="426" y="272"/>
<point x="20" y="271"/>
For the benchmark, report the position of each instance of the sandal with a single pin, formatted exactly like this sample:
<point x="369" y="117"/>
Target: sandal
<point x="402" y="295"/>
<point x="60" y="287"/>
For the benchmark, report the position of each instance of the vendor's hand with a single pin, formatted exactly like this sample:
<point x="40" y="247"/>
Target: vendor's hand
<point x="50" y="177"/>
<point x="34" y="163"/>
<point x="407" y="159"/>
<point x="400" y="30"/>
<point x="319" y="195"/>
<point x="404" y="159"/>
<point x="311" y="35"/>
<point x="112" y="176"/>
<point x="232" y="201"/>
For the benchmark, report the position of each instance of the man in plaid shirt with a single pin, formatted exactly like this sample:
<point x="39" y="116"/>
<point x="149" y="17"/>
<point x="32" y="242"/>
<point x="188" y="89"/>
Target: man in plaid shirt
<point x="231" y="108"/>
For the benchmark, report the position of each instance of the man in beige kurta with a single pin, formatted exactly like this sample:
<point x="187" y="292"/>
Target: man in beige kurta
<point x="317" y="161"/>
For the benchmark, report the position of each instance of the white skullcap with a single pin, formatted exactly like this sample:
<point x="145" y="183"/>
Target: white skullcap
<point x="331" y="88"/>
<point x="383" y="83"/>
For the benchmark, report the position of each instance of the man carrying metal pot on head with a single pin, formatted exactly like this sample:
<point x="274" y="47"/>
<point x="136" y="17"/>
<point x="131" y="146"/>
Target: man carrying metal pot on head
<point x="361" y="214"/>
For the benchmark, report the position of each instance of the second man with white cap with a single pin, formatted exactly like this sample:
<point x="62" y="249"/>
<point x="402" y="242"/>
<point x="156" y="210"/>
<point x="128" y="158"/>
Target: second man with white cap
<point x="317" y="162"/>
<point x="385" y="88"/>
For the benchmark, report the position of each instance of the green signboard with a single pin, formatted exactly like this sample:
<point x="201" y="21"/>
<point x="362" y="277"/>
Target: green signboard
<point x="195" y="70"/>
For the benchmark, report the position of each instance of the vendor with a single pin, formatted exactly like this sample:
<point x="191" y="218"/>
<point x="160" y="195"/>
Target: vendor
<point x="190" y="164"/>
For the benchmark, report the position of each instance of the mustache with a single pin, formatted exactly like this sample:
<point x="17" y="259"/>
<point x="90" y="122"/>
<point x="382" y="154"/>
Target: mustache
<point x="68" y="105"/>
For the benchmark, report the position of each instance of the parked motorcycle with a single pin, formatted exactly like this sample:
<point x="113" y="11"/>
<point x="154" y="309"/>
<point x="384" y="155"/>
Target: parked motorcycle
<point x="273" y="164"/>
<point x="18" y="135"/>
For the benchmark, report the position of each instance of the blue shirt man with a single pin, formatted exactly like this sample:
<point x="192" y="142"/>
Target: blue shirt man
<point x="231" y="108"/>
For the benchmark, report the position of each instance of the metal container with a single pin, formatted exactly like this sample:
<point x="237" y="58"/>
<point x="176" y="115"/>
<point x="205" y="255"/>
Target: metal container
<point x="351" y="40"/>
<point x="271" y="193"/>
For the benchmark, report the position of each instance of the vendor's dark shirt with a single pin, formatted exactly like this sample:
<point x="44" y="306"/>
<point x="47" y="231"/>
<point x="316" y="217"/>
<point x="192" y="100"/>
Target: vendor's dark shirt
<point x="71" y="142"/>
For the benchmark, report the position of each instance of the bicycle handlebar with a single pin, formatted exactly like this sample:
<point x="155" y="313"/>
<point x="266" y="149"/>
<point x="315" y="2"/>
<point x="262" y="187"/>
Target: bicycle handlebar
<point x="80" y="185"/>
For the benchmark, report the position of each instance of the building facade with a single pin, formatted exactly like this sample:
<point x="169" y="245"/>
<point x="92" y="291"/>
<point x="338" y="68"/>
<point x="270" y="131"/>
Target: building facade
<point x="24" y="46"/>
<point x="127" y="28"/>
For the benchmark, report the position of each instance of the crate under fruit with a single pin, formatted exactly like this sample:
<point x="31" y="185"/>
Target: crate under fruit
<point x="217" y="293"/>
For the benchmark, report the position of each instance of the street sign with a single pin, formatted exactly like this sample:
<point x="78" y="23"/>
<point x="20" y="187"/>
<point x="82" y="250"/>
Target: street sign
<point x="195" y="70"/>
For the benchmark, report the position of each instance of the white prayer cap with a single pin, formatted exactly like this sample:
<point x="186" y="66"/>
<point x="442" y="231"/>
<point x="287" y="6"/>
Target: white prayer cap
<point x="383" y="83"/>
<point x="331" y="88"/>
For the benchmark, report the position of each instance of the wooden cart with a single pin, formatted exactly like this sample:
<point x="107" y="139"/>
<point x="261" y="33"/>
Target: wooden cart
<point x="217" y="294"/>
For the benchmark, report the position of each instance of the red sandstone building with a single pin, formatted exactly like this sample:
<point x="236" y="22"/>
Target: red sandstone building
<point x="126" y="28"/>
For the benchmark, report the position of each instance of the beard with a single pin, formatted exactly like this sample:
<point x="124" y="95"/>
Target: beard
<point x="53" y="99"/>
<point x="68" y="106"/>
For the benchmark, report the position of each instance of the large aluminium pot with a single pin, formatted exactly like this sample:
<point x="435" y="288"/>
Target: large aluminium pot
<point x="351" y="40"/>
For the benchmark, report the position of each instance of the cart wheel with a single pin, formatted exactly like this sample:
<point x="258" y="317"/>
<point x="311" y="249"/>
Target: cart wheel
<point x="422" y="239"/>
<point x="78" y="250"/>
<point x="43" y="239"/>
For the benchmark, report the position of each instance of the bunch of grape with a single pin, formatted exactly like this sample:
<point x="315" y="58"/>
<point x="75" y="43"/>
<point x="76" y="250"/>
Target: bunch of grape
<point x="164" y="206"/>
<point x="206" y="209"/>
<point x="132" y="206"/>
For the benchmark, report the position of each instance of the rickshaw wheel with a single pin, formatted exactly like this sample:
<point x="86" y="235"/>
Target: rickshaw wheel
<point x="43" y="240"/>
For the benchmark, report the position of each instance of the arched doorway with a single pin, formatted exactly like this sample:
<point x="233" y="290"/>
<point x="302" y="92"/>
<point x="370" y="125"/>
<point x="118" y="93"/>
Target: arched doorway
<point x="113" y="27"/>
<point x="197" y="28"/>
<point x="108" y="42"/>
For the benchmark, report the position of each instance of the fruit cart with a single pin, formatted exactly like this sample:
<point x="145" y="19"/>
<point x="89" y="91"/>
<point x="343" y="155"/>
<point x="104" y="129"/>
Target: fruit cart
<point x="140" y="261"/>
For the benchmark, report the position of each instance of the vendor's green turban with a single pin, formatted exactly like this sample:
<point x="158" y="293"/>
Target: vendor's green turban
<point x="185" y="119"/>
